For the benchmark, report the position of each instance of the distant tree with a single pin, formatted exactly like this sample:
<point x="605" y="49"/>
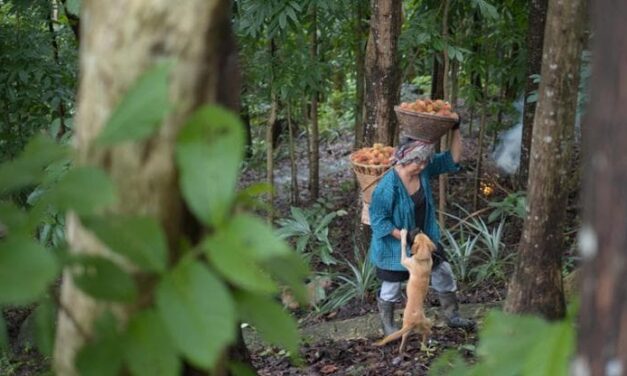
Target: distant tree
<point x="603" y="242"/>
<point x="383" y="73"/>
<point x="536" y="286"/>
<point x="535" y="40"/>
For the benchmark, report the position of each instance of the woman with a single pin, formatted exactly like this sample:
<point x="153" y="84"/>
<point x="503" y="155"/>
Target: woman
<point x="403" y="199"/>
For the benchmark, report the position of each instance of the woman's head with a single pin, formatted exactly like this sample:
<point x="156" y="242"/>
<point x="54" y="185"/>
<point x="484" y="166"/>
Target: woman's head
<point x="414" y="152"/>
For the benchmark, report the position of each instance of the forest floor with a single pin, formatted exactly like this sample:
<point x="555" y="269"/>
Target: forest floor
<point x="351" y="351"/>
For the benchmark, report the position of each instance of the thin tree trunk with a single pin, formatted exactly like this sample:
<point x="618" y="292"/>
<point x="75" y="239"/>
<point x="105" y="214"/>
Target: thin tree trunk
<point x="55" y="53"/>
<point x="382" y="72"/>
<point x="443" y="178"/>
<point x="360" y="37"/>
<point x="270" y="134"/>
<point x="144" y="172"/>
<point x="535" y="41"/>
<point x="314" y="168"/>
<point x="536" y="285"/>
<point x="602" y="338"/>
<point x="290" y="129"/>
<point x="482" y="126"/>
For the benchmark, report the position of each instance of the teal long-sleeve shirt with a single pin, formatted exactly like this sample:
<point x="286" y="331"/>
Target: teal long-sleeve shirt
<point x="391" y="207"/>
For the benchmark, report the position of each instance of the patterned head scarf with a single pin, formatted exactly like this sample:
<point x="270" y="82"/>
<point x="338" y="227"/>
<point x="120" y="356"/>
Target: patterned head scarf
<point x="413" y="151"/>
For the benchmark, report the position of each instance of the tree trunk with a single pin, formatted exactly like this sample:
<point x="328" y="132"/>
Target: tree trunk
<point x="121" y="39"/>
<point x="360" y="37"/>
<point x="603" y="314"/>
<point x="443" y="178"/>
<point x="535" y="40"/>
<point x="314" y="173"/>
<point x="482" y="126"/>
<point x="437" y="79"/>
<point x="290" y="130"/>
<point x="270" y="134"/>
<point x="536" y="286"/>
<point x="382" y="72"/>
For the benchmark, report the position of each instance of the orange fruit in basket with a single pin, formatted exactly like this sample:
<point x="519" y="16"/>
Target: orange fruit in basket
<point x="376" y="155"/>
<point x="437" y="107"/>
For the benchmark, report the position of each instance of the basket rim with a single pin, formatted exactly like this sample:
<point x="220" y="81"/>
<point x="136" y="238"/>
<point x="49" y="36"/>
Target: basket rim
<point x="371" y="165"/>
<point x="425" y="115"/>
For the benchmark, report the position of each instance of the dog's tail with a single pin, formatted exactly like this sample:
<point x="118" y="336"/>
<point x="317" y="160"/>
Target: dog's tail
<point x="394" y="336"/>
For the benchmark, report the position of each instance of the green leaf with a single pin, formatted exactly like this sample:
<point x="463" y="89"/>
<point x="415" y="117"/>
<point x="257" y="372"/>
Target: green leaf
<point x="4" y="339"/>
<point x="83" y="189"/>
<point x="149" y="349"/>
<point x="103" y="356"/>
<point x="291" y="270"/>
<point x="198" y="312"/>
<point x="73" y="7"/>
<point x="506" y="339"/>
<point x="208" y="152"/>
<point x="552" y="352"/>
<point x="141" y="239"/>
<point x="29" y="167"/>
<point x="240" y="369"/>
<point x="103" y="279"/>
<point x="45" y="316"/>
<point x="274" y="324"/>
<point x="141" y="110"/>
<point x="26" y="269"/>
<point x="14" y="219"/>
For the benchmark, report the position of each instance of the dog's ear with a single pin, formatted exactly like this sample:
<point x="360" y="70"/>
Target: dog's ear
<point x="412" y="236"/>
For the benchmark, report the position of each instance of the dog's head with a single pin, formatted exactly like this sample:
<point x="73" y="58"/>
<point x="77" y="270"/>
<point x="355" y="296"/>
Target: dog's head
<point x="422" y="245"/>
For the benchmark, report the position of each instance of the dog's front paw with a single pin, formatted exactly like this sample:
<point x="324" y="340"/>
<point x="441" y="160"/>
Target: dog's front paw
<point x="404" y="235"/>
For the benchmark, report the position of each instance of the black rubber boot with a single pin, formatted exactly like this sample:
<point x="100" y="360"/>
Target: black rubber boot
<point x="386" y="313"/>
<point x="450" y="308"/>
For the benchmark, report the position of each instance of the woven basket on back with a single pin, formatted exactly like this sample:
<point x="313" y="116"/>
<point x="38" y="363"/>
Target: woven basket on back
<point x="368" y="176"/>
<point x="421" y="126"/>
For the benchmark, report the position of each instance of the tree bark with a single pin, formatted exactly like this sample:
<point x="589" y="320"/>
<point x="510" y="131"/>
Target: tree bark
<point x="536" y="286"/>
<point x="535" y="41"/>
<point x="382" y="72"/>
<point x="270" y="134"/>
<point x="603" y="315"/>
<point x="314" y="167"/>
<point x="360" y="37"/>
<point x="290" y="129"/>
<point x="121" y="39"/>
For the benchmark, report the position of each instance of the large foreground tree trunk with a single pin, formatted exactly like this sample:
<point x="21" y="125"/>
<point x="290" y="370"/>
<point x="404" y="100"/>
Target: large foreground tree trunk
<point x="536" y="286"/>
<point x="382" y="72"/>
<point x="535" y="42"/>
<point x="119" y="40"/>
<point x="603" y="240"/>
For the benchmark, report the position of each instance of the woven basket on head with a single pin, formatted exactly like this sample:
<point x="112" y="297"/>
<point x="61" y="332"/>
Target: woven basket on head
<point x="368" y="176"/>
<point x="421" y="126"/>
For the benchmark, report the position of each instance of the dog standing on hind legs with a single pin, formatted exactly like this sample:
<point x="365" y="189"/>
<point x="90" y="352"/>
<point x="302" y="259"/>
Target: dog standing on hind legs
<point x="419" y="267"/>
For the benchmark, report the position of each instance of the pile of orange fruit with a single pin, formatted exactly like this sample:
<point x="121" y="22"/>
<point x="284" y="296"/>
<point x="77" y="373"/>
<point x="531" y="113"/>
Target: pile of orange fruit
<point x="376" y="155"/>
<point x="427" y="106"/>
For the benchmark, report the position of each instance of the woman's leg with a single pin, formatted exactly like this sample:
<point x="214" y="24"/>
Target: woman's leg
<point x="389" y="294"/>
<point x="444" y="283"/>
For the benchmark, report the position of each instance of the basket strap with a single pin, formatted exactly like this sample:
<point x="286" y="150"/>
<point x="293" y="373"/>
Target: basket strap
<point x="375" y="180"/>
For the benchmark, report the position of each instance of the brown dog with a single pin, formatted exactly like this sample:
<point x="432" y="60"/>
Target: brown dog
<point x="419" y="267"/>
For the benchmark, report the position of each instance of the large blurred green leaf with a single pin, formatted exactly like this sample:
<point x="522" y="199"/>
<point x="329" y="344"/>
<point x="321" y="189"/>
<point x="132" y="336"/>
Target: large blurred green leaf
<point x="104" y="354"/>
<point x="141" y="110"/>
<point x="29" y="167"/>
<point x="45" y="319"/>
<point x="83" y="189"/>
<point x="141" y="239"/>
<point x="209" y="150"/>
<point x="198" y="312"/>
<point x="551" y="354"/>
<point x="4" y="340"/>
<point x="149" y="349"/>
<point x="14" y="219"/>
<point x="268" y="317"/>
<point x="291" y="270"/>
<point x="26" y="269"/>
<point x="103" y="279"/>
<point x="240" y="245"/>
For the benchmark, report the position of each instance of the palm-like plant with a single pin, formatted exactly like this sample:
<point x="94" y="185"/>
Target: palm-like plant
<point x="310" y="229"/>
<point x="459" y="250"/>
<point x="359" y="284"/>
